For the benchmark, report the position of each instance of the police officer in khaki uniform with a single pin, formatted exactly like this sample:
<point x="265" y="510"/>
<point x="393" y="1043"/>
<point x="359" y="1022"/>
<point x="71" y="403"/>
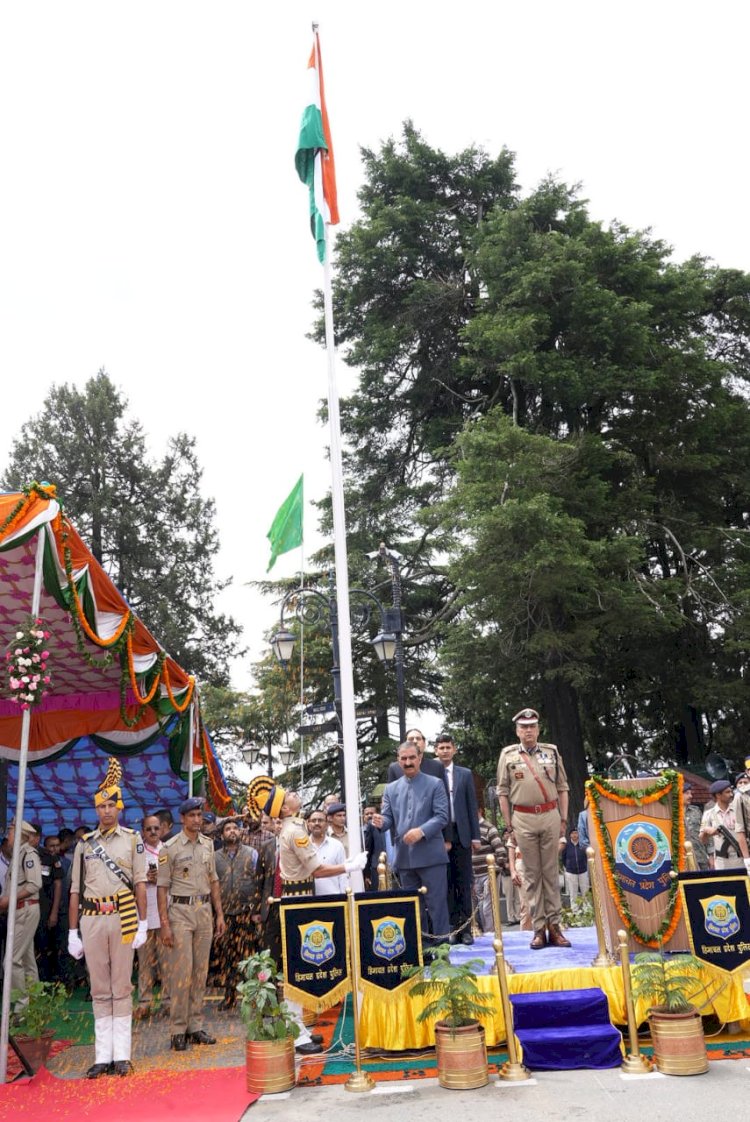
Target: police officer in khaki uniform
<point x="187" y="888"/>
<point x="533" y="791"/>
<point x="299" y="863"/>
<point x="108" y="885"/>
<point x="27" y="912"/>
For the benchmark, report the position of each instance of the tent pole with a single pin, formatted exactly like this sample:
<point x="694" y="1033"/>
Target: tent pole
<point x="36" y="597"/>
<point x="191" y="743"/>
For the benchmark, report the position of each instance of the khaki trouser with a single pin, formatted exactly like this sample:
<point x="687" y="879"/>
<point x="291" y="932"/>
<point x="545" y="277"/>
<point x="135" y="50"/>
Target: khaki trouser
<point x="538" y="838"/>
<point x="110" y="963"/>
<point x="24" y="968"/>
<point x="152" y="956"/>
<point x="192" y="929"/>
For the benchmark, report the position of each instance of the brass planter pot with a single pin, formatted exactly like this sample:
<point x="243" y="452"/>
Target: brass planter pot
<point x="679" y="1044"/>
<point x="461" y="1056"/>
<point x="269" y="1065"/>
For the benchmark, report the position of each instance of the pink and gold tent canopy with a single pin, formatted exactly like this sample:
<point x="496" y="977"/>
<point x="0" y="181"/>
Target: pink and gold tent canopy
<point x="111" y="680"/>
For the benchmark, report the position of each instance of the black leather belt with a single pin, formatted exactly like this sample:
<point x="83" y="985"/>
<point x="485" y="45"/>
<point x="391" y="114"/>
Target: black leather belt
<point x="190" y="899"/>
<point x="298" y="887"/>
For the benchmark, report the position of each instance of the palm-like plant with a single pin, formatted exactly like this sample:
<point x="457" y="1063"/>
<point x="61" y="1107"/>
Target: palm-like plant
<point x="452" y="987"/>
<point x="666" y="980"/>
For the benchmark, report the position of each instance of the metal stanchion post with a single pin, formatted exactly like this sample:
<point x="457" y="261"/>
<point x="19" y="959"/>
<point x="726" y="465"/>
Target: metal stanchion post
<point x="634" y="1063"/>
<point x="383" y="885"/>
<point x="690" y="861"/>
<point x="511" y="1069"/>
<point x="359" y="1080"/>
<point x="603" y="958"/>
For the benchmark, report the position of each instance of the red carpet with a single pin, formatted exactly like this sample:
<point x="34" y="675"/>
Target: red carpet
<point x="14" y="1064"/>
<point x="217" y="1094"/>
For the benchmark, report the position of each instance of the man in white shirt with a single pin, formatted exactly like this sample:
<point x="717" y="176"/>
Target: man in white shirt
<point x="151" y="956"/>
<point x="719" y="823"/>
<point x="331" y="853"/>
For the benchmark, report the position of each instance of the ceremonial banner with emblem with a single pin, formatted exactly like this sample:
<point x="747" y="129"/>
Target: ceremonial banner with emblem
<point x="642" y="855"/>
<point x="388" y="937"/>
<point x="315" y="950"/>
<point x="717" y="906"/>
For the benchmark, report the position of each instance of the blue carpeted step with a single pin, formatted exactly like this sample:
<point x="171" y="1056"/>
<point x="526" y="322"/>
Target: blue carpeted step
<point x="571" y="1046"/>
<point x="559" y="1008"/>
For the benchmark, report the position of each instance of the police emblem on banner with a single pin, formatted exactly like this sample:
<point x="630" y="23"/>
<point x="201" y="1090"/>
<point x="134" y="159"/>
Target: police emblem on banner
<point x="721" y="916"/>
<point x="642" y="855"/>
<point x="717" y="910"/>
<point x="316" y="942"/>
<point x="388" y="940"/>
<point x="315" y="950"/>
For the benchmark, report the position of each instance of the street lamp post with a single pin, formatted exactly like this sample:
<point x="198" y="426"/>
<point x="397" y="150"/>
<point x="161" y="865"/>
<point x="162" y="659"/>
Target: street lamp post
<point x="395" y="624"/>
<point x="311" y="606"/>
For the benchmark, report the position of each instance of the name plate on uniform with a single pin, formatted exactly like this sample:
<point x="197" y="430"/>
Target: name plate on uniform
<point x="717" y="907"/>
<point x="315" y="950"/>
<point x="388" y="937"/>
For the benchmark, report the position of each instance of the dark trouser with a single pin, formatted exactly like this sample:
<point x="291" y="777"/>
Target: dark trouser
<point x="459" y="884"/>
<point x="434" y="879"/>
<point x="236" y="945"/>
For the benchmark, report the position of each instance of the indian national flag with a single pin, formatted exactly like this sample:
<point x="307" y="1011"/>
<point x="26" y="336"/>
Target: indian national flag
<point x="314" y="158"/>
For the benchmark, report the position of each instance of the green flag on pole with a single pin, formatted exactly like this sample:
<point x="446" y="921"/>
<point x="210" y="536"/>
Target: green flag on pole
<point x="286" y="530"/>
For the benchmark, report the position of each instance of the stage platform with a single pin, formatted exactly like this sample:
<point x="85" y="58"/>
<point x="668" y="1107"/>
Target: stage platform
<point x="391" y="1024"/>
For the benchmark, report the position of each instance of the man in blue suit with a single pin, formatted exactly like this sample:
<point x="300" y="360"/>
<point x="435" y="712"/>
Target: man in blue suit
<point x="464" y="837"/>
<point x="416" y="811"/>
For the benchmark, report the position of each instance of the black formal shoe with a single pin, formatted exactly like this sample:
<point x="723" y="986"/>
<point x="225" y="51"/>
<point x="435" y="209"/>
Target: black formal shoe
<point x="316" y="1037"/>
<point x="179" y="1042"/>
<point x="308" y="1049"/>
<point x="467" y="939"/>
<point x="120" y="1067"/>
<point x="96" y="1070"/>
<point x="454" y="938"/>
<point x="201" y="1037"/>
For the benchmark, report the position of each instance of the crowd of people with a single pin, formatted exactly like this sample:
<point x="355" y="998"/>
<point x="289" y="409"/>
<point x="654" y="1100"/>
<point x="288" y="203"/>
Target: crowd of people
<point x="194" y="899"/>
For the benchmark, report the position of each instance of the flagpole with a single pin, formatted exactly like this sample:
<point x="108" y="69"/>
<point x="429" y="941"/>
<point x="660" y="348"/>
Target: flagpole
<point x="351" y="771"/>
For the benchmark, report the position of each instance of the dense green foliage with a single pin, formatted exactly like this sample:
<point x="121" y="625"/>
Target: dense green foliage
<point x="552" y="425"/>
<point x="145" y="520"/>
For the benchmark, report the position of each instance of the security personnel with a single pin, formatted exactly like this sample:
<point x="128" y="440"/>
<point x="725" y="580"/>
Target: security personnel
<point x="187" y="888"/>
<point x="108" y="885"/>
<point x="533" y="791"/>
<point x="27" y="912"/>
<point x="298" y="865"/>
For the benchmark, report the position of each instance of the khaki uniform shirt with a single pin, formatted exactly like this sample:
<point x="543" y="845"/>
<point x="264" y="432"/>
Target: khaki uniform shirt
<point x="298" y="856"/>
<point x="124" y="846"/>
<point x="517" y="781"/>
<point x="29" y="871"/>
<point x="187" y="868"/>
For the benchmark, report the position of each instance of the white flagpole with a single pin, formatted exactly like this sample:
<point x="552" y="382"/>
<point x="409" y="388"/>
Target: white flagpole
<point x="351" y="770"/>
<point x="36" y="597"/>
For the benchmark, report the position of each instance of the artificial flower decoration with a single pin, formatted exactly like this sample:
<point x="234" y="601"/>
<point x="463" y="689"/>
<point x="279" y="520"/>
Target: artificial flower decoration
<point x="26" y="661"/>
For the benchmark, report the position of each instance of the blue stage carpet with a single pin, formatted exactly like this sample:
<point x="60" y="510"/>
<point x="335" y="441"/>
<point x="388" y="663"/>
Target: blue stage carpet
<point x="525" y="961"/>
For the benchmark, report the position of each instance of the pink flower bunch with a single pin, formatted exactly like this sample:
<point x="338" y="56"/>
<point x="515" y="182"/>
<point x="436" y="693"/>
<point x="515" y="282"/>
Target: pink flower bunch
<point x="27" y="665"/>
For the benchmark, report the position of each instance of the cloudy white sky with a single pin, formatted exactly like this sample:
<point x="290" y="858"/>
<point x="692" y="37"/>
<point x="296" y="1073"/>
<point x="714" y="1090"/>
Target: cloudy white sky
<point x="153" y="224"/>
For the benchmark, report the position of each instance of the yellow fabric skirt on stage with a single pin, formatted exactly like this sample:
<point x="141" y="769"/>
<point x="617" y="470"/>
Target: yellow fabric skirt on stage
<point x="392" y="1025"/>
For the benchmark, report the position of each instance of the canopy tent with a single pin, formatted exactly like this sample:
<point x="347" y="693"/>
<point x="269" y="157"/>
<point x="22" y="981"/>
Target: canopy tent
<point x="105" y="676"/>
<point x="110" y="679"/>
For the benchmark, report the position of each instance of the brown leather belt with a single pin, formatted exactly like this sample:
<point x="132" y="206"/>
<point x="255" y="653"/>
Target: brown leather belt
<point x="540" y="808"/>
<point x="25" y="902"/>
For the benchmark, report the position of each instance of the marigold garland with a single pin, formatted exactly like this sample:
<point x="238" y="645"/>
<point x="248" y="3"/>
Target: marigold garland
<point x="598" y="788"/>
<point x="48" y="491"/>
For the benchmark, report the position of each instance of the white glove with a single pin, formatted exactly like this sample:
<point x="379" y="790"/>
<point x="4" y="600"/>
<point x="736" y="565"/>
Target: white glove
<point x="747" y="865"/>
<point x="75" y="946"/>
<point x="141" y="934"/>
<point x="355" y="863"/>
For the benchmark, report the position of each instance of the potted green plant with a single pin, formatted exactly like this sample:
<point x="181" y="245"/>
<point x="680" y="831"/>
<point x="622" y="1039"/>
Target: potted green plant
<point x="456" y="1001"/>
<point x="37" y="1008"/>
<point x="668" y="983"/>
<point x="270" y="1027"/>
